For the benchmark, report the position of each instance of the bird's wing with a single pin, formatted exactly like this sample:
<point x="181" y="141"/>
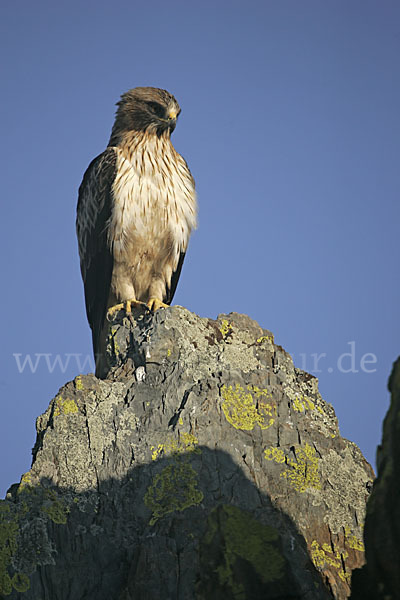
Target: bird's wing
<point x="174" y="279"/>
<point x="93" y="216"/>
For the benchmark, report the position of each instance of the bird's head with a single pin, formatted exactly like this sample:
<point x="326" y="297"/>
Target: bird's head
<point x="145" y="109"/>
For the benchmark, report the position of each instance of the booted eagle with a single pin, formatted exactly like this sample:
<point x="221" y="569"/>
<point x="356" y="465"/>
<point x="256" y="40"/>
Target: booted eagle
<point x="136" y="209"/>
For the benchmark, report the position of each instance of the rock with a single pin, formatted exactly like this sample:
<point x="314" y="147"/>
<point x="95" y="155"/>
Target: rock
<point x="205" y="466"/>
<point x="379" y="579"/>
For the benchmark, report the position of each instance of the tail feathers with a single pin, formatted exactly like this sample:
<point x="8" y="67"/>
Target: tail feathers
<point x="99" y="339"/>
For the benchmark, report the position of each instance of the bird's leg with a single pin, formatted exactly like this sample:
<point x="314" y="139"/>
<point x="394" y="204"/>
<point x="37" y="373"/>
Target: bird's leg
<point x="154" y="304"/>
<point x="127" y="306"/>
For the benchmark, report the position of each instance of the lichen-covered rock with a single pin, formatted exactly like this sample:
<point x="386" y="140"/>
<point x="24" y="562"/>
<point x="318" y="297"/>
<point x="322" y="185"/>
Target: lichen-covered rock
<point x="205" y="466"/>
<point x="379" y="579"/>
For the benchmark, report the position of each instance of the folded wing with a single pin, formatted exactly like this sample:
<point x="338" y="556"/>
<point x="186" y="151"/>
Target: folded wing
<point x="95" y="250"/>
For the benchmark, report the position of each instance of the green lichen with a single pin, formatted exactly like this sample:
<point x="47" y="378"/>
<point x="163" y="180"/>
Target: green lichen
<point x="242" y="539"/>
<point x="14" y="517"/>
<point x="55" y="508"/>
<point x="244" y="409"/>
<point x="302" y="473"/>
<point x="57" y="511"/>
<point x="9" y="527"/>
<point x="64" y="407"/>
<point x="174" y="489"/>
<point x="5" y="582"/>
<point x="21" y="582"/>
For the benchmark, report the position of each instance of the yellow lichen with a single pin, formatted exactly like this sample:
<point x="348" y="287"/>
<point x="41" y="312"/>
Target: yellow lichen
<point x="303" y="403"/>
<point x="225" y="327"/>
<point x="189" y="441"/>
<point x="69" y="407"/>
<point x="65" y="407"/>
<point x="186" y="443"/>
<point x="169" y="352"/>
<point x="298" y="406"/>
<point x="265" y="338"/>
<point x="26" y="482"/>
<point x="78" y="382"/>
<point x="113" y="332"/>
<point x="275" y="454"/>
<point x="325" y="555"/>
<point x="352" y="541"/>
<point x="302" y="473"/>
<point x="157" y="451"/>
<point x="244" y="409"/>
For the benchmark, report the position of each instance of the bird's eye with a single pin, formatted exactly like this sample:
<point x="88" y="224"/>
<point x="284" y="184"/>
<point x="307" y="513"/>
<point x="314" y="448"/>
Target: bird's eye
<point x="157" y="109"/>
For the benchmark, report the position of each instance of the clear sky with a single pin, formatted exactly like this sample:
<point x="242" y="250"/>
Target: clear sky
<point x="291" y="126"/>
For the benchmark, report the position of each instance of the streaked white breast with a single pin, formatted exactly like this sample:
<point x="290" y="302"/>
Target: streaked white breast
<point x="154" y="196"/>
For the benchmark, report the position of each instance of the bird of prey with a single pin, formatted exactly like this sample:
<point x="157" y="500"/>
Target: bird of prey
<point x="136" y="210"/>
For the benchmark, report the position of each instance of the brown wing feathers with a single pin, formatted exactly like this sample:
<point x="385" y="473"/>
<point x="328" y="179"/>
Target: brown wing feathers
<point x="93" y="214"/>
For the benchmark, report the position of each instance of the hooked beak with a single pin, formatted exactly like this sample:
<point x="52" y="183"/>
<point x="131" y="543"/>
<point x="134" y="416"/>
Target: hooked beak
<point x="172" y="115"/>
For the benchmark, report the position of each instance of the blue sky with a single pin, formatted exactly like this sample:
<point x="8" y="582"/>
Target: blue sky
<point x="290" y="125"/>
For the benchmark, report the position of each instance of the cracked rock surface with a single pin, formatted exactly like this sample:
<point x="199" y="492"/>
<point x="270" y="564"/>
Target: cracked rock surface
<point x="204" y="466"/>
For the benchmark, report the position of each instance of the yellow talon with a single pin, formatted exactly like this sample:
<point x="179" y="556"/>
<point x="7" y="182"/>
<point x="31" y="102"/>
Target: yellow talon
<point x="154" y="304"/>
<point x="112" y="310"/>
<point x="127" y="306"/>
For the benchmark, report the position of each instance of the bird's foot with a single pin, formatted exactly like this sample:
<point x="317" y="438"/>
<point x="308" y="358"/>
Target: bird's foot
<point x="127" y="306"/>
<point x="154" y="304"/>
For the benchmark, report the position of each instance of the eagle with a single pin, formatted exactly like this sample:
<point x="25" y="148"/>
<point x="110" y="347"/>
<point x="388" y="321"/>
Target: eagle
<point x="136" y="210"/>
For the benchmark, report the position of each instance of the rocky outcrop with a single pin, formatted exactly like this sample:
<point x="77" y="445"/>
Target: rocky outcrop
<point x="205" y="466"/>
<point x="379" y="579"/>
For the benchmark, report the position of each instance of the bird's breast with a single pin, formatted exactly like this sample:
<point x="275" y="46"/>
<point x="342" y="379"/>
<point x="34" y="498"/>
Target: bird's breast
<point x="154" y="201"/>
